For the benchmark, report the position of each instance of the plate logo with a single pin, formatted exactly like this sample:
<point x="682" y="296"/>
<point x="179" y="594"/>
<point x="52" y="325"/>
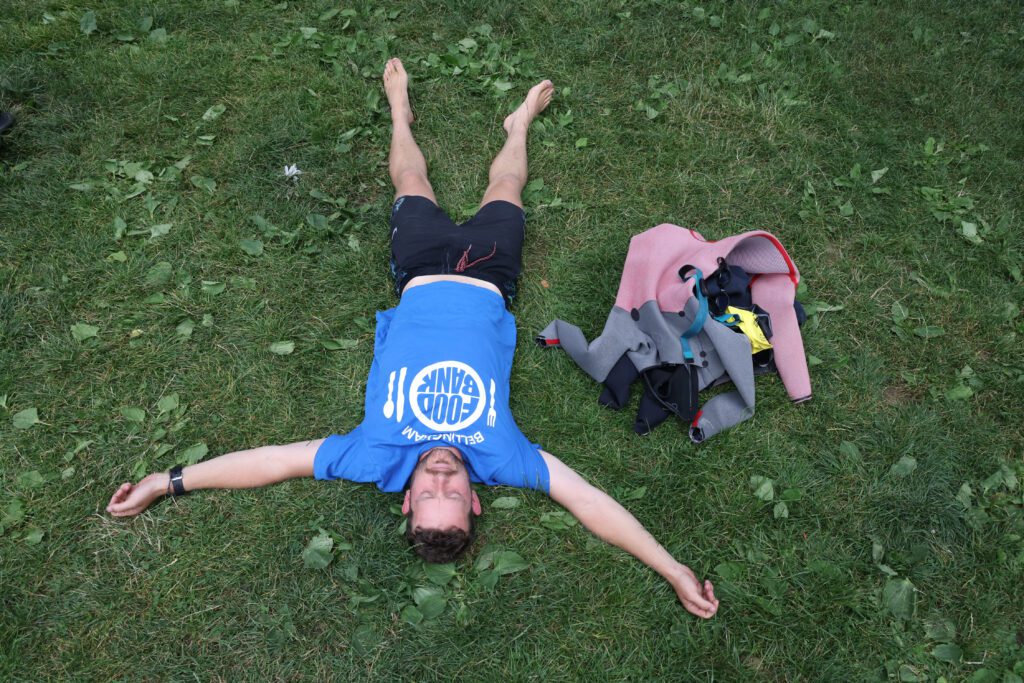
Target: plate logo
<point x="447" y="396"/>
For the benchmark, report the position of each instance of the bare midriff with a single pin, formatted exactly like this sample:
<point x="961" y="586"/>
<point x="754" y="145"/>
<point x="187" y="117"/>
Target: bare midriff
<point x="428" y="279"/>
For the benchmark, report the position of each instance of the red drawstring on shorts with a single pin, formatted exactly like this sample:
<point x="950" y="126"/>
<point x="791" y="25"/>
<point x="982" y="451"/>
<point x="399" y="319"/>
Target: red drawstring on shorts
<point x="465" y="263"/>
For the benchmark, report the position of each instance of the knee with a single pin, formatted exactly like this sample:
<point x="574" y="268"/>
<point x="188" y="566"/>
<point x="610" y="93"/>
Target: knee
<point x="510" y="181"/>
<point x="408" y="176"/>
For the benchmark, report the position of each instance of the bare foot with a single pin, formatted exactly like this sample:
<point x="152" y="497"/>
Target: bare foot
<point x="536" y="101"/>
<point x="396" y="86"/>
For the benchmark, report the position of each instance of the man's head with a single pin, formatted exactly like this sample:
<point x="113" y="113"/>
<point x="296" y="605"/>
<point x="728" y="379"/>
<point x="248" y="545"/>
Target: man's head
<point x="440" y="506"/>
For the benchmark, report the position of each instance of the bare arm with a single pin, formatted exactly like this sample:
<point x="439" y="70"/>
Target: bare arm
<point x="239" y="470"/>
<point x="612" y="523"/>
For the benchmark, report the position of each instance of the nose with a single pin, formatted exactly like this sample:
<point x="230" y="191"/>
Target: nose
<point x="441" y="478"/>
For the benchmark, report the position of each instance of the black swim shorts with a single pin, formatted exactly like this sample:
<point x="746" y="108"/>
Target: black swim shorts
<point x="425" y="241"/>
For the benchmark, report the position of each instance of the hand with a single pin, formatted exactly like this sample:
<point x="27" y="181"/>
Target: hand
<point x="697" y="599"/>
<point x="130" y="500"/>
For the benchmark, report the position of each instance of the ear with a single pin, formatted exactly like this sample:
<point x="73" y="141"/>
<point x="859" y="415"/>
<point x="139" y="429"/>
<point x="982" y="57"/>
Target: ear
<point x="406" y="506"/>
<point x="476" y="505"/>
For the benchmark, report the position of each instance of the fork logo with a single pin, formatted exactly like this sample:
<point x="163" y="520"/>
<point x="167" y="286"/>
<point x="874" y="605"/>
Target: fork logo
<point x="447" y="396"/>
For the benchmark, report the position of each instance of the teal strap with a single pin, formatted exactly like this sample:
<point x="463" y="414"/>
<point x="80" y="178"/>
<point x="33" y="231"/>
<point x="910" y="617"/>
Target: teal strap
<point x="699" y="319"/>
<point x="729" y="319"/>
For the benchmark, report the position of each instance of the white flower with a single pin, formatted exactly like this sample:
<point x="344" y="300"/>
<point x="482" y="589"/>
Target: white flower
<point x="292" y="172"/>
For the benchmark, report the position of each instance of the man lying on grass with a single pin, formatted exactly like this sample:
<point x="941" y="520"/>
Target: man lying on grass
<point x="437" y="400"/>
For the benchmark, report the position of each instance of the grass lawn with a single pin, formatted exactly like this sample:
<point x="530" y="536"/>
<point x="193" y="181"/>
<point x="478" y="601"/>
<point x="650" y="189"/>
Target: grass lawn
<point x="153" y="255"/>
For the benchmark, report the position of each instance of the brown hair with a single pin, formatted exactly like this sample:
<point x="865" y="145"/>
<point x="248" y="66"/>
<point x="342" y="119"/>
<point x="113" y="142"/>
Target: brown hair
<point x="440" y="545"/>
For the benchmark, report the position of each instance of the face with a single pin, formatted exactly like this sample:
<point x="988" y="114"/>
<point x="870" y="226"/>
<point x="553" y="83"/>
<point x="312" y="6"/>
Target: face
<point x="440" y="496"/>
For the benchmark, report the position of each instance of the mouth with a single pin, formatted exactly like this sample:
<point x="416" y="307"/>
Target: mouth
<point x="442" y="461"/>
<point x="442" y="453"/>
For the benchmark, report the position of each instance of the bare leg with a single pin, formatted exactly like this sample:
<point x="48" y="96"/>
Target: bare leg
<point x="406" y="164"/>
<point x="508" y="170"/>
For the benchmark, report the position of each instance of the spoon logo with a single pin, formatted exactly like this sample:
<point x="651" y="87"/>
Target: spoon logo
<point x="447" y="396"/>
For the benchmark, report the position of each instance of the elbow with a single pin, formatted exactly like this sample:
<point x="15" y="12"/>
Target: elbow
<point x="589" y="508"/>
<point x="271" y="467"/>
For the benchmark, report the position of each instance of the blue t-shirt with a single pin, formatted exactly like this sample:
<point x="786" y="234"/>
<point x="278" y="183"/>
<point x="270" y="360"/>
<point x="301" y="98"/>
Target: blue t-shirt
<point x="440" y="374"/>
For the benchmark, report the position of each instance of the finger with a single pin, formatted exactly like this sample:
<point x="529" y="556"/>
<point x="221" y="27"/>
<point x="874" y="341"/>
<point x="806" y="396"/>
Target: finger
<point x="696" y="592"/>
<point x="123" y="507"/>
<point x="698" y="611"/>
<point x="698" y="601"/>
<point x="117" y="510"/>
<point x="124" y="510"/>
<point x="119" y="494"/>
<point x="709" y="592"/>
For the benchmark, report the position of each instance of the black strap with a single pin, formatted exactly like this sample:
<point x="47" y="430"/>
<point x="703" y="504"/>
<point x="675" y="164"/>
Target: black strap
<point x="178" y="488"/>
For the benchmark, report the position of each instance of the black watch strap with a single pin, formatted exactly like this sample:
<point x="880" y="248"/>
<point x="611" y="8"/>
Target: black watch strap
<point x="177" y="487"/>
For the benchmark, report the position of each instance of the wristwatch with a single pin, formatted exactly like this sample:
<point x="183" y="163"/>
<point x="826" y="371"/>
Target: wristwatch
<point x="177" y="487"/>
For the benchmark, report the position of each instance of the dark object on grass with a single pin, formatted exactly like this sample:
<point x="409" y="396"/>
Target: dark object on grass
<point x="670" y="323"/>
<point x="6" y="122"/>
